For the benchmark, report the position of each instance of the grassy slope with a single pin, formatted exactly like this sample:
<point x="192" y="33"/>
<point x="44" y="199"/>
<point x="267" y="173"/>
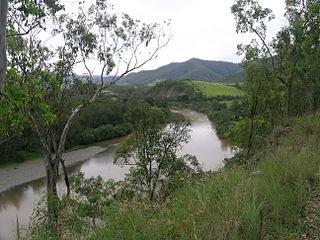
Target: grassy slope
<point x="210" y="89"/>
<point x="234" y="203"/>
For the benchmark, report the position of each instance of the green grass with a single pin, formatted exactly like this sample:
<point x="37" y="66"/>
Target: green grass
<point x="210" y="89"/>
<point x="232" y="203"/>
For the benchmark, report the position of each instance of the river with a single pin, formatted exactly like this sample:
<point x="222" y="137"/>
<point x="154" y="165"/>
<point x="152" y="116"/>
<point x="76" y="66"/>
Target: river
<point x="19" y="201"/>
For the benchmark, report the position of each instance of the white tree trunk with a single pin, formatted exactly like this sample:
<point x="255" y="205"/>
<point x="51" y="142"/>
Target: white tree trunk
<point x="3" y="48"/>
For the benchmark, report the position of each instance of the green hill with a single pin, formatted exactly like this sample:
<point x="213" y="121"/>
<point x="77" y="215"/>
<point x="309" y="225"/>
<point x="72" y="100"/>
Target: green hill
<point x="194" y="69"/>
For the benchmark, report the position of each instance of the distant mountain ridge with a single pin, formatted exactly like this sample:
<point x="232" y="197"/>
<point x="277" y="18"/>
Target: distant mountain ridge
<point x="194" y="69"/>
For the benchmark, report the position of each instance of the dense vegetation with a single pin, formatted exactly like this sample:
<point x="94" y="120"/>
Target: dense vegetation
<point x="104" y="120"/>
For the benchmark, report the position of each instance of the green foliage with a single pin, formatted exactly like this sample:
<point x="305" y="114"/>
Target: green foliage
<point x="12" y="121"/>
<point x="287" y="57"/>
<point x="98" y="122"/>
<point x="281" y="81"/>
<point x="83" y="210"/>
<point x="260" y="103"/>
<point x="152" y="152"/>
<point x="102" y="133"/>
<point x="26" y="15"/>
<point x="91" y="196"/>
<point x="40" y="227"/>
<point x="264" y="202"/>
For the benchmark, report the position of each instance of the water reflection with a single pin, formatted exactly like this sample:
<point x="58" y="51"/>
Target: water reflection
<point x="16" y="196"/>
<point x="102" y="164"/>
<point x="204" y="143"/>
<point x="19" y="201"/>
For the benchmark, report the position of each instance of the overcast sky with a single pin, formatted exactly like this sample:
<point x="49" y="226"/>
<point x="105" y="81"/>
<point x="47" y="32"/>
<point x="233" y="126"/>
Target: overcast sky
<point x="202" y="29"/>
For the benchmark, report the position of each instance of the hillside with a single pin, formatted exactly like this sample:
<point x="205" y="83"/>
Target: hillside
<point x="194" y="69"/>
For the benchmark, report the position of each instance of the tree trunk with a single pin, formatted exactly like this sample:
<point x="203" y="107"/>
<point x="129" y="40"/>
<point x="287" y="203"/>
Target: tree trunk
<point x="289" y="100"/>
<point x="3" y="48"/>
<point x="253" y="112"/>
<point x="66" y="178"/>
<point x="249" y="144"/>
<point x="51" y="167"/>
<point x="315" y="105"/>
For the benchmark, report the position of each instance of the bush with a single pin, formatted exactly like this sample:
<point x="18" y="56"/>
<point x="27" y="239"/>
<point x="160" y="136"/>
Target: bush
<point x="9" y="154"/>
<point x="102" y="133"/>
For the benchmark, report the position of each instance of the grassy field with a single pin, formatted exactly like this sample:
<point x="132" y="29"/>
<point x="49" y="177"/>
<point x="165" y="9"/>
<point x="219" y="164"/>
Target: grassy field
<point x="210" y="89"/>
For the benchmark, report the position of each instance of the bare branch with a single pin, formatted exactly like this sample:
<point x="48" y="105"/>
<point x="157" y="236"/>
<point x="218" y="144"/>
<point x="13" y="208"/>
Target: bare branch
<point x="26" y="32"/>
<point x="98" y="93"/>
<point x="8" y="139"/>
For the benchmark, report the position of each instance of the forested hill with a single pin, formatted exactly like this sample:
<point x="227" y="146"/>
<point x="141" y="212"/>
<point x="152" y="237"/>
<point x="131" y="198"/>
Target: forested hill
<point x="194" y="69"/>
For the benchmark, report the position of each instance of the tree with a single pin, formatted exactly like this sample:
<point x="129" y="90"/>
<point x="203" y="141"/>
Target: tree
<point x="288" y="51"/>
<point x="261" y="101"/>
<point x="251" y="17"/>
<point x="306" y="21"/>
<point x="44" y="79"/>
<point x="152" y="152"/>
<point x="282" y="75"/>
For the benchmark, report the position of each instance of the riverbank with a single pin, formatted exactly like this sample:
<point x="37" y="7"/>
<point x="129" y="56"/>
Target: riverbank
<point x="34" y="169"/>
